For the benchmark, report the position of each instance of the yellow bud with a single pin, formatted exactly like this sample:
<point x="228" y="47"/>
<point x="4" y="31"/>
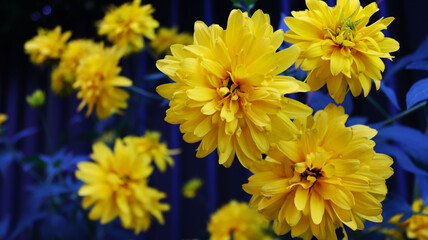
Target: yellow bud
<point x="37" y="99"/>
<point x="191" y="187"/>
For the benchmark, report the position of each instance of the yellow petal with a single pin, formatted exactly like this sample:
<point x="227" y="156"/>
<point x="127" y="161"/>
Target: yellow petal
<point x="317" y="207"/>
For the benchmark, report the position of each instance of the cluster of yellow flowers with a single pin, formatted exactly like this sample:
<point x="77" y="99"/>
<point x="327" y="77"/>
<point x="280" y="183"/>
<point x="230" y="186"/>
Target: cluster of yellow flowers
<point x="229" y="93"/>
<point x="92" y="69"/>
<point x="312" y="173"/>
<point x="116" y="182"/>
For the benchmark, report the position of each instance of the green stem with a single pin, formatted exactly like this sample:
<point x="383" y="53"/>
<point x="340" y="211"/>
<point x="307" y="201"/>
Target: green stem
<point x="47" y="130"/>
<point x="378" y="107"/>
<point x="145" y="93"/>
<point x="152" y="54"/>
<point x="404" y="113"/>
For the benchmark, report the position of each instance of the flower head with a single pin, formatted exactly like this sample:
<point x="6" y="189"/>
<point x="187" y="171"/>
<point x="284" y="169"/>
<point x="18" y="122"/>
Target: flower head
<point x="338" y="48"/>
<point x="227" y="92"/>
<point x="48" y="44"/>
<point x="64" y="75"/>
<point x="328" y="176"/>
<point x="126" y="25"/>
<point x="236" y="220"/>
<point x="98" y="83"/>
<point x="150" y="146"/>
<point x="116" y="186"/>
<point x="166" y="37"/>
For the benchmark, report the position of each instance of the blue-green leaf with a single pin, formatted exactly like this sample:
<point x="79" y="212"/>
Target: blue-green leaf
<point x="417" y="93"/>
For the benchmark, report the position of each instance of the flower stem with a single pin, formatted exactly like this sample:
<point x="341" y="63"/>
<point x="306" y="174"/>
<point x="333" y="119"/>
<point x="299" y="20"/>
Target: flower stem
<point x="378" y="107"/>
<point x="404" y="113"/>
<point x="144" y="93"/>
<point x="47" y="131"/>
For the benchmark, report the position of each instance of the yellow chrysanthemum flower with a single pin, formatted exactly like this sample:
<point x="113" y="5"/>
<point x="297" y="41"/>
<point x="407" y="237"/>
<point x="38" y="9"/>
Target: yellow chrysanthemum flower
<point x="48" y="44"/>
<point x="168" y="36"/>
<point x="227" y="91"/>
<point x="3" y="118"/>
<point x="237" y="221"/>
<point x="64" y="75"/>
<point x="98" y="83"/>
<point x="416" y="227"/>
<point x="150" y="146"/>
<point x="126" y="25"/>
<point x="328" y="176"/>
<point x="338" y="48"/>
<point x="116" y="186"/>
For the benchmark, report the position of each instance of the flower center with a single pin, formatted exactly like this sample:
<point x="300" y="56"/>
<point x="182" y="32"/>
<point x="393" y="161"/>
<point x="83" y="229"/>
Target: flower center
<point x="314" y="172"/>
<point x="125" y="179"/>
<point x="229" y="89"/>
<point x="345" y="35"/>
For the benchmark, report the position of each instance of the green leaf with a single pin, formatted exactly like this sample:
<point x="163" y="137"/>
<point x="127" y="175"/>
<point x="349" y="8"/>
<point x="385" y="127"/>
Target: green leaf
<point x="249" y="2"/>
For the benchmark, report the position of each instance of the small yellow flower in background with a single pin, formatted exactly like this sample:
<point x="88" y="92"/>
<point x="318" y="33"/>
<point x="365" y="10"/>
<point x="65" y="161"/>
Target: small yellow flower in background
<point x="166" y="37"/>
<point x="47" y="45"/>
<point x="416" y="227"/>
<point x="237" y="221"/>
<point x="98" y="83"/>
<point x="116" y="186"/>
<point x="3" y="118"/>
<point x="62" y="81"/>
<point x="36" y="99"/>
<point x="227" y="92"/>
<point x="149" y="145"/>
<point x="338" y="48"/>
<point x="126" y="25"/>
<point x="328" y="177"/>
<point x="191" y="187"/>
<point x="64" y="75"/>
<point x="396" y="233"/>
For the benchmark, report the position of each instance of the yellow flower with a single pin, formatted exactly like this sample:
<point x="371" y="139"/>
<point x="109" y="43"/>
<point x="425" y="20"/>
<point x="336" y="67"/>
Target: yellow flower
<point x="150" y="146"/>
<point x="116" y="186"/>
<point x="126" y="25"/>
<point x="98" y="83"/>
<point x="62" y="81"/>
<point x="328" y="176"/>
<point x="416" y="227"/>
<point x="167" y="37"/>
<point x="48" y="44"/>
<point x="191" y="187"/>
<point x="3" y="118"/>
<point x="227" y="91"/>
<point x="237" y="221"/>
<point x="64" y="75"/>
<point x="338" y="48"/>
